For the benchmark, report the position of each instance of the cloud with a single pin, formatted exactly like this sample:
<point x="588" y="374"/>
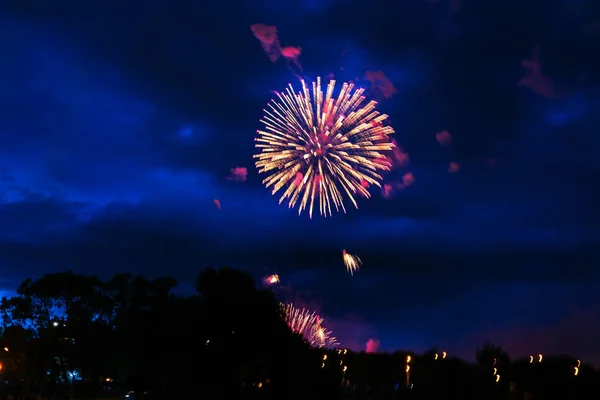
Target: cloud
<point x="37" y="219"/>
<point x="90" y="136"/>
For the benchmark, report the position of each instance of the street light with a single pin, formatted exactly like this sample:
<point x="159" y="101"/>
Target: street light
<point x="408" y="358"/>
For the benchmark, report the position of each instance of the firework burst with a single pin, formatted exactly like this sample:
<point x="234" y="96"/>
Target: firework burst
<point x="272" y="279"/>
<point x="309" y="325"/>
<point x="351" y="262"/>
<point x="323" y="149"/>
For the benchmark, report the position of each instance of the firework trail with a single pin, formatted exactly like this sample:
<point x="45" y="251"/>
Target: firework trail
<point x="351" y="262"/>
<point x="323" y="149"/>
<point x="309" y="325"/>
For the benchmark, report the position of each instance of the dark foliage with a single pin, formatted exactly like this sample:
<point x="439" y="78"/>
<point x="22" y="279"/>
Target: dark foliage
<point x="72" y="336"/>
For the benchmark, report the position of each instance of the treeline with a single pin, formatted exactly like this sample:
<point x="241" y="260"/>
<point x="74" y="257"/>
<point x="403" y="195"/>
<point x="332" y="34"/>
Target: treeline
<point x="74" y="336"/>
<point x="435" y="375"/>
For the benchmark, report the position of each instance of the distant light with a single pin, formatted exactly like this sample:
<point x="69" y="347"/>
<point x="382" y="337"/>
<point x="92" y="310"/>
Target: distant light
<point x="207" y="342"/>
<point x="540" y="357"/>
<point x="530" y="359"/>
<point x="435" y="357"/>
<point x="497" y="378"/>
<point x="576" y="371"/>
<point x="578" y="362"/>
<point x="444" y="354"/>
<point x="55" y="323"/>
<point x="6" y="349"/>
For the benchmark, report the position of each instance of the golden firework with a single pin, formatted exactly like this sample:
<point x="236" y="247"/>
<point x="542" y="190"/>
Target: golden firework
<point x="309" y="325"/>
<point x="323" y="149"/>
<point x="351" y="262"/>
<point x="272" y="279"/>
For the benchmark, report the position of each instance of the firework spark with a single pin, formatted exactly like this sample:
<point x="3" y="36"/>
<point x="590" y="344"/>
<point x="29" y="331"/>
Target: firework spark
<point x="309" y="325"/>
<point x="272" y="279"/>
<point x="322" y="148"/>
<point x="351" y="262"/>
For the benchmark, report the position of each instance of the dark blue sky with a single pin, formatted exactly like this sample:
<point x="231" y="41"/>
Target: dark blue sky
<point x="120" y="121"/>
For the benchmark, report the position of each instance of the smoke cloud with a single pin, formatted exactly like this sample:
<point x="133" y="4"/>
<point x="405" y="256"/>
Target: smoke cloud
<point x="372" y="346"/>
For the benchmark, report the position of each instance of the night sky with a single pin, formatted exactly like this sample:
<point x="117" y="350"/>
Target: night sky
<point x="120" y="122"/>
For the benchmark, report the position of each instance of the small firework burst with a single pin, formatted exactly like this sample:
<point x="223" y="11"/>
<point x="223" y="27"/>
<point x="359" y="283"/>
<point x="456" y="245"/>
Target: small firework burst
<point x="272" y="279"/>
<point x="351" y="262"/>
<point x="309" y="325"/>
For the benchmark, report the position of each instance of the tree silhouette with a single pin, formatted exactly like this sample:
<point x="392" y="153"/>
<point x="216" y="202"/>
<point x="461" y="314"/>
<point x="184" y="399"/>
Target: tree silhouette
<point x="490" y="354"/>
<point x="227" y="340"/>
<point x="246" y="337"/>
